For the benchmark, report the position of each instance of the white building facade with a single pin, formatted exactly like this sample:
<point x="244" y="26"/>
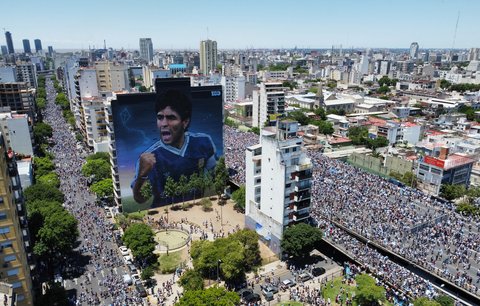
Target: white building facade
<point x="278" y="182"/>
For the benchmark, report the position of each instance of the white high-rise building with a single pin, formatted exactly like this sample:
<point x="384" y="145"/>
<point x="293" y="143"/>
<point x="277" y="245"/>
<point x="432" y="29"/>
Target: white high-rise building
<point x="268" y="100"/>
<point x="146" y="49"/>
<point x="208" y="56"/>
<point x="278" y="182"/>
<point x="414" y="50"/>
<point x="233" y="88"/>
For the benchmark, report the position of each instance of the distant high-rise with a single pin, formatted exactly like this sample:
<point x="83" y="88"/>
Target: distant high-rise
<point x="4" y="50"/>
<point x="50" y="51"/>
<point x="8" y="38"/>
<point x="146" y="49"/>
<point x="414" y="50"/>
<point x="38" y="45"/>
<point x="208" y="56"/>
<point x="26" y="46"/>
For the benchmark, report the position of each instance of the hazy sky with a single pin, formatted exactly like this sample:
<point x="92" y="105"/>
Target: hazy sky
<point x="243" y="23"/>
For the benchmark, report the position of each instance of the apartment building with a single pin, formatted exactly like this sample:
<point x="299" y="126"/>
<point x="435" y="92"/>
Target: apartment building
<point x="278" y="182"/>
<point x="15" y="248"/>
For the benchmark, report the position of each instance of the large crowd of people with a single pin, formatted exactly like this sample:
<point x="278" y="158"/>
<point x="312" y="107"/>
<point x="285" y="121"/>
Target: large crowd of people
<point x="95" y="231"/>
<point x="406" y="221"/>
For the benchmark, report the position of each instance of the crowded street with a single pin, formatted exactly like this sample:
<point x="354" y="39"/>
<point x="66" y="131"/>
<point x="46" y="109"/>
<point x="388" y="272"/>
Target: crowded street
<point x="94" y="277"/>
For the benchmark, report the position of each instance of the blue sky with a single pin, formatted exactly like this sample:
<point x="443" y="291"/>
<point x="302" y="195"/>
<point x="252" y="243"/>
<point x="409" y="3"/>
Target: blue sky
<point x="243" y="23"/>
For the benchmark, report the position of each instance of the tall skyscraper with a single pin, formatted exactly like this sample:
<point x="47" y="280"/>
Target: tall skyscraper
<point x="4" y="50"/>
<point x="26" y="46"/>
<point x="8" y="38"/>
<point x="414" y="50"/>
<point x="146" y="49"/>
<point x="38" y="45"/>
<point x="208" y="56"/>
<point x="50" y="51"/>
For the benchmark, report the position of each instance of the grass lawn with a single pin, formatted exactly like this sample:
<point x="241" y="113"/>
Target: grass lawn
<point x="168" y="263"/>
<point x="289" y="303"/>
<point x="331" y="292"/>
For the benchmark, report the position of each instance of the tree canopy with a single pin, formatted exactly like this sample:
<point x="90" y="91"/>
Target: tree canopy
<point x="368" y="292"/>
<point x="98" y="169"/>
<point x="103" y="188"/>
<point x="238" y="196"/>
<point x="214" y="296"/>
<point x="300" y="239"/>
<point x="42" y="131"/>
<point x="41" y="191"/>
<point x="139" y="237"/>
<point x="191" y="280"/>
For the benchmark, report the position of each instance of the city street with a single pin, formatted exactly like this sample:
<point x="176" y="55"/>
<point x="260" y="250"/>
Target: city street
<point x="94" y="276"/>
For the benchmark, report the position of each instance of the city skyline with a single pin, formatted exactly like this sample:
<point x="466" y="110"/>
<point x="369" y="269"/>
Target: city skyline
<point x="266" y="24"/>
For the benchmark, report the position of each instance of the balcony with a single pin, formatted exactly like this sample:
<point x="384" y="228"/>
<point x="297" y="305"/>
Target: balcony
<point x="301" y="205"/>
<point x="301" y="196"/>
<point x="303" y="167"/>
<point x="302" y="185"/>
<point x="300" y="216"/>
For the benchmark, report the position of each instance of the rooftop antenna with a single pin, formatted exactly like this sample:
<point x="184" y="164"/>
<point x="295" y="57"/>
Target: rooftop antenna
<point x="104" y="44"/>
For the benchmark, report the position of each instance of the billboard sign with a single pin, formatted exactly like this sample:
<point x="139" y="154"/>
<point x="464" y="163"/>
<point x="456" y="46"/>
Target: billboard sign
<point x="162" y="136"/>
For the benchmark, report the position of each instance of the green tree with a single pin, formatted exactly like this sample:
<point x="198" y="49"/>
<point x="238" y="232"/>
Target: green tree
<point x="358" y="134"/>
<point x="300" y="239"/>
<point x="97" y="169"/>
<point x="376" y="143"/>
<point x="238" y="196"/>
<point x="321" y="113"/>
<point x="139" y="237"/>
<point x="290" y="84"/>
<point x="142" y="89"/>
<point x="57" y="235"/>
<point x="99" y="155"/>
<point x="424" y="301"/>
<point x="191" y="280"/>
<point x="445" y="300"/>
<point x="41" y="191"/>
<point x="50" y="179"/>
<point x="43" y="166"/>
<point x="383" y="89"/>
<point x="221" y="176"/>
<point x="299" y="116"/>
<point x="213" y="296"/>
<point x="147" y="273"/>
<point x="170" y="188"/>
<point x="183" y="186"/>
<point x="41" y="103"/>
<point x="249" y="241"/>
<point x="103" y="188"/>
<point x="368" y="293"/>
<point x="42" y="131"/>
<point x="451" y="192"/>
<point x="255" y="130"/>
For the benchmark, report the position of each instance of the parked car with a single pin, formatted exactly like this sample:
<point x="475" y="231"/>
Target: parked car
<point x="269" y="288"/>
<point x="141" y="290"/>
<point x="245" y="292"/>
<point x="252" y="298"/>
<point x="124" y="251"/>
<point x="127" y="259"/>
<point x="133" y="269"/>
<point x="136" y="278"/>
<point x="288" y="283"/>
<point x="317" y="271"/>
<point x="304" y="277"/>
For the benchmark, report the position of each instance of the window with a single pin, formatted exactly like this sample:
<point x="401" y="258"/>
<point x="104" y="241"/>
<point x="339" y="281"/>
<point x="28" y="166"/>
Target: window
<point x="13" y="272"/>
<point x="9" y="258"/>
<point x="3" y="216"/>
<point x="16" y="285"/>
<point x="20" y="297"/>
<point x="6" y="244"/>
<point x="288" y="185"/>
<point x="4" y="230"/>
